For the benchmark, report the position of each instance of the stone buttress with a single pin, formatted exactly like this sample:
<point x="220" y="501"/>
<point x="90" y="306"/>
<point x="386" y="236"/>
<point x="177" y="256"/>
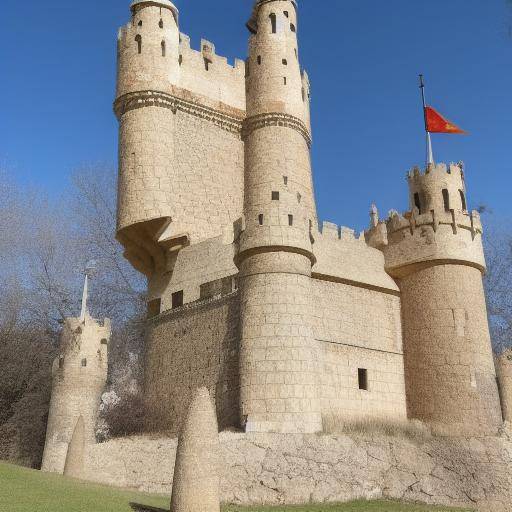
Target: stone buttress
<point x="435" y="253"/>
<point x="279" y="358"/>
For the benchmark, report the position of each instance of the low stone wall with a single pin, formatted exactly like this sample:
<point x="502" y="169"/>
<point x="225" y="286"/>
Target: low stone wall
<point x="287" y="469"/>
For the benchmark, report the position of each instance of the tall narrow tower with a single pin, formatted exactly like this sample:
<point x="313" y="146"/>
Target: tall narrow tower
<point x="279" y="356"/>
<point x="435" y="253"/>
<point x="79" y="376"/>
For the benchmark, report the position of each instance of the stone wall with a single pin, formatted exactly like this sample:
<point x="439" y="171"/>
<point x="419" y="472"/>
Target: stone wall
<point x="298" y="468"/>
<point x="187" y="348"/>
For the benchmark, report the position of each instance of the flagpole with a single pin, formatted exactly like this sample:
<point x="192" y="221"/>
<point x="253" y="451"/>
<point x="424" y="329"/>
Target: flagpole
<point x="430" y="154"/>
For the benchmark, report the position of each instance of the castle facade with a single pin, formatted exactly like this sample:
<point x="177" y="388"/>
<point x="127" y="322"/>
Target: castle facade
<point x="285" y="321"/>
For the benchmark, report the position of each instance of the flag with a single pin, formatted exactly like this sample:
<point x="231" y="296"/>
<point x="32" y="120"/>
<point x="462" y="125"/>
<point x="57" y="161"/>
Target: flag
<point x="436" y="123"/>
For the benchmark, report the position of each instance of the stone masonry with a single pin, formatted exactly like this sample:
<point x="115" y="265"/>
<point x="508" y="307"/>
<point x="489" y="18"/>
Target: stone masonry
<point x="284" y="320"/>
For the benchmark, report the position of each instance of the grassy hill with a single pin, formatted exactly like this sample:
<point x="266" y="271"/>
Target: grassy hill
<point x="24" y="490"/>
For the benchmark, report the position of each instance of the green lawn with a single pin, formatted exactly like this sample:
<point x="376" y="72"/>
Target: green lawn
<point x="24" y="490"/>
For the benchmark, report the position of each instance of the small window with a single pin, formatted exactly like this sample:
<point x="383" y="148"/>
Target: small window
<point x="290" y="220"/>
<point x="61" y="362"/>
<point x="285" y="81"/>
<point x="206" y="64"/>
<point x="177" y="299"/>
<point x="286" y="13"/>
<point x="275" y="196"/>
<point x="180" y="59"/>
<point x="247" y="68"/>
<point x="154" y="307"/>
<point x="104" y="341"/>
<point x="303" y="95"/>
<point x="446" y="200"/>
<point x="285" y="179"/>
<point x="259" y="59"/>
<point x="299" y="197"/>
<point x="140" y="23"/>
<point x="84" y="363"/>
<point x="161" y="23"/>
<point x="417" y="202"/>
<point x="285" y="62"/>
<point x="163" y="48"/>
<point x="296" y="53"/>
<point x="362" y="375"/>
<point x="273" y="21"/>
<point x="292" y="27"/>
<point x="463" y="200"/>
<point x="260" y="219"/>
<point x="138" y="40"/>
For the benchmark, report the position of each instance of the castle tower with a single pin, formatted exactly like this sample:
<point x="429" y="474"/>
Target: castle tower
<point x="279" y="360"/>
<point x="79" y="376"/>
<point x="148" y="67"/>
<point x="435" y="253"/>
<point x="504" y="371"/>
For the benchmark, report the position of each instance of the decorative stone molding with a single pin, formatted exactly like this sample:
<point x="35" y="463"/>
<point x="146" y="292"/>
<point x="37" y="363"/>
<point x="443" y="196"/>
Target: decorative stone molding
<point x="275" y="119"/>
<point x="141" y="99"/>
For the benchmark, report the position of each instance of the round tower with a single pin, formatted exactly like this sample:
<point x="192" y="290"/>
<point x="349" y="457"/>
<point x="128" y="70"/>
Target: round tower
<point x="79" y="376"/>
<point x="435" y="253"/>
<point x="148" y="68"/>
<point x="279" y="356"/>
<point x="504" y="370"/>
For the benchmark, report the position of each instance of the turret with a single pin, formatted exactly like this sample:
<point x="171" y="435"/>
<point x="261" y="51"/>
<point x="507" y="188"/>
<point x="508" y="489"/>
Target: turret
<point x="279" y="356"/>
<point x="79" y="376"/>
<point x="435" y="253"/>
<point x="504" y="371"/>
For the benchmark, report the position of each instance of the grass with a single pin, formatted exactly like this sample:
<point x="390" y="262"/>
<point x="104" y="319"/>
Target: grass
<point x="25" y="490"/>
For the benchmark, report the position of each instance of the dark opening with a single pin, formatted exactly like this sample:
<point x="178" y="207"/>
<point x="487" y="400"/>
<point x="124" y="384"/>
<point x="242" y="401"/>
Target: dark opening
<point x="104" y="341"/>
<point x="290" y="220"/>
<point x="275" y="196"/>
<point x="161" y="23"/>
<point x="286" y="13"/>
<point x="260" y="219"/>
<point x="84" y="363"/>
<point x="417" y="201"/>
<point x="180" y="59"/>
<point x="273" y="21"/>
<point x="285" y="179"/>
<point x="163" y="48"/>
<point x="446" y="199"/>
<point x="299" y="197"/>
<point x="284" y="78"/>
<point x="61" y="362"/>
<point x="259" y="59"/>
<point x="463" y="200"/>
<point x="177" y="299"/>
<point x="303" y="95"/>
<point x="154" y="307"/>
<point x="140" y="23"/>
<point x="285" y="62"/>
<point x="247" y="68"/>
<point x="362" y="376"/>
<point x="138" y="39"/>
<point x="296" y="53"/>
<point x="206" y="64"/>
<point x="292" y="27"/>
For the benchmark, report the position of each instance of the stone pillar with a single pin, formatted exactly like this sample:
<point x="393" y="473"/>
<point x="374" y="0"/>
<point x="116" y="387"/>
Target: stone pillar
<point x="504" y="370"/>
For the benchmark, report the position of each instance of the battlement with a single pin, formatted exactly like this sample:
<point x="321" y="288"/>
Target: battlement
<point x="334" y="232"/>
<point x="439" y="170"/>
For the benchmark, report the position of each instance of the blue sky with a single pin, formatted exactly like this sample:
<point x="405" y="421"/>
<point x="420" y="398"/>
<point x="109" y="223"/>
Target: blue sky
<point x="363" y="58"/>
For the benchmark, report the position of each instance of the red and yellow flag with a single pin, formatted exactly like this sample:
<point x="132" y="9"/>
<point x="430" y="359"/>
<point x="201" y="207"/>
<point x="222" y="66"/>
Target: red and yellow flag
<point x="436" y="123"/>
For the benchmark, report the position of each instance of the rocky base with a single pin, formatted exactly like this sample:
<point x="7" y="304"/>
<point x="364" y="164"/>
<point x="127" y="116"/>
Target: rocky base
<point x="289" y="469"/>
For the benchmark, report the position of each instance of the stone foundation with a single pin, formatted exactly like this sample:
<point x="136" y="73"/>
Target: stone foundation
<point x="300" y="468"/>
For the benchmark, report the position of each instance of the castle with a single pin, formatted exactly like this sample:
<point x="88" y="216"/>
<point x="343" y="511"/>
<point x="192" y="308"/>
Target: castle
<point x="286" y="322"/>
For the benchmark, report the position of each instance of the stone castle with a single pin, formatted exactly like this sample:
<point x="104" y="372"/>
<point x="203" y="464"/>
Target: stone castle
<point x="285" y="321"/>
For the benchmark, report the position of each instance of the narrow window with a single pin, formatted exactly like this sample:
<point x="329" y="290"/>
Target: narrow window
<point x="446" y="200"/>
<point x="104" y="341"/>
<point x="260" y="219"/>
<point x="296" y="53"/>
<point x="177" y="299"/>
<point x="275" y="196"/>
<point x="259" y="59"/>
<point x="286" y="13"/>
<point x="284" y="78"/>
<point x="180" y="59"/>
<point x="299" y="197"/>
<point x="292" y="27"/>
<point x="61" y="362"/>
<point x="138" y="39"/>
<point x="290" y="220"/>
<point x="84" y="363"/>
<point x="362" y="376"/>
<point x="206" y="64"/>
<point x="303" y="95"/>
<point x="163" y="48"/>
<point x="161" y="23"/>
<point x="247" y="68"/>
<point x="273" y="21"/>
<point x="140" y="23"/>
<point x="154" y="307"/>
<point x="463" y="200"/>
<point x="417" y="201"/>
<point x="285" y="62"/>
<point x="285" y="179"/>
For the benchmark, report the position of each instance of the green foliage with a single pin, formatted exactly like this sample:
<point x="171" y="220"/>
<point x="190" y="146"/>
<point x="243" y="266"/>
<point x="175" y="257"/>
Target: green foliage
<point x="23" y="490"/>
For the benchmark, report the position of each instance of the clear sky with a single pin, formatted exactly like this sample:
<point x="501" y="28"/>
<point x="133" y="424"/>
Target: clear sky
<point x="363" y="57"/>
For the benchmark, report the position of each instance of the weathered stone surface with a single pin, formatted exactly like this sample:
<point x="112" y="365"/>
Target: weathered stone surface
<point x="74" y="466"/>
<point x="298" y="468"/>
<point x="196" y="484"/>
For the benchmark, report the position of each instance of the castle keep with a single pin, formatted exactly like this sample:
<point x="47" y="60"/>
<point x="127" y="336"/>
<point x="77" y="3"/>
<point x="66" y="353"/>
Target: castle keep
<point x="285" y="321"/>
